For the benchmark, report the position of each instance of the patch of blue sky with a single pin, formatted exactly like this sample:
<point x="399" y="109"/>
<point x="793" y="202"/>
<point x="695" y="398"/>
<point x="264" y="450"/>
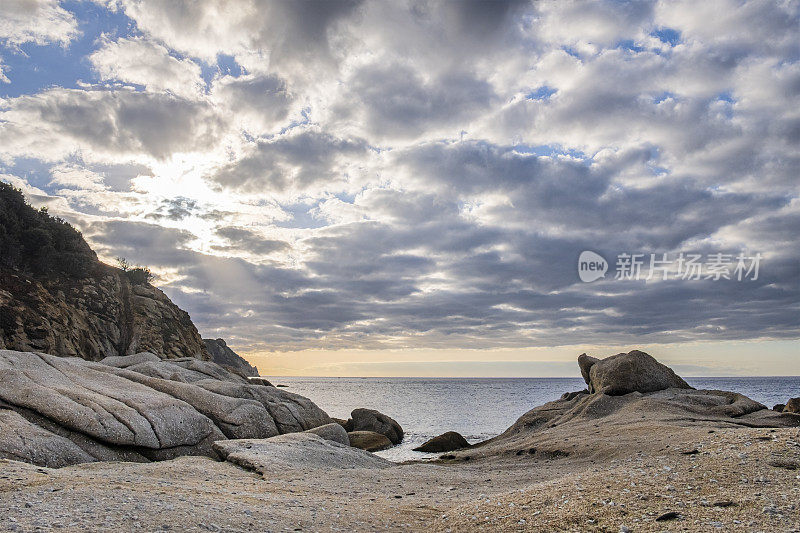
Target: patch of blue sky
<point x="225" y="66"/>
<point x="35" y="172"/>
<point x="630" y="45"/>
<point x="552" y="150"/>
<point x="32" y="68"/>
<point x="571" y="51"/>
<point x="541" y="93"/>
<point x="662" y="96"/>
<point x="726" y="96"/>
<point x="302" y="216"/>
<point x="667" y="36"/>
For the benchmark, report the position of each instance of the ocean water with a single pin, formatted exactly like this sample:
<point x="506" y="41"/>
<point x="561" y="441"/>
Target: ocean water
<point x="478" y="408"/>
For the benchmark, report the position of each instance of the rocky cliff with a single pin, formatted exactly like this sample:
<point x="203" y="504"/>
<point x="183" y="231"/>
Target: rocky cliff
<point x="224" y="356"/>
<point x="57" y="298"/>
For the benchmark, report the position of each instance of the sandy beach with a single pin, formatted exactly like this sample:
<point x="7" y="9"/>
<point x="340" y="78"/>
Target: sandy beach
<point x="730" y="479"/>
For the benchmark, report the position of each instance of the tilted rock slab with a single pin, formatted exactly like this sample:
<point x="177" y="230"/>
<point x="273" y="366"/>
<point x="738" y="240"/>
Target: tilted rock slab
<point x="139" y="409"/>
<point x="287" y="451"/>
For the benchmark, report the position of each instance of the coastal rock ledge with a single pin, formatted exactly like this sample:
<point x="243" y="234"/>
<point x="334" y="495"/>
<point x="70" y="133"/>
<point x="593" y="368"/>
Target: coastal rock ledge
<point x="58" y="411"/>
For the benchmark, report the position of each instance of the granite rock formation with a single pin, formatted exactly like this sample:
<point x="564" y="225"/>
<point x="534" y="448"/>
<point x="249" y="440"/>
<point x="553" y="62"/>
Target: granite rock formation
<point x="227" y="358"/>
<point x="57" y="411"/>
<point x="623" y="373"/>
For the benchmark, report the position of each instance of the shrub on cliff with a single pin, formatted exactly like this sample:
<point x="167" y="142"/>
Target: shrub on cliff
<point x="33" y="241"/>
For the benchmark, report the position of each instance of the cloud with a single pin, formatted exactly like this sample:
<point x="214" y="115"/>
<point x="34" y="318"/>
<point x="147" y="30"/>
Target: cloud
<point x="142" y="62"/>
<point x="289" y="32"/>
<point x="259" y="102"/>
<point x="36" y="21"/>
<point x="294" y="161"/>
<point x="243" y="240"/>
<point x="107" y="123"/>
<point x="425" y="174"/>
<point x="394" y="102"/>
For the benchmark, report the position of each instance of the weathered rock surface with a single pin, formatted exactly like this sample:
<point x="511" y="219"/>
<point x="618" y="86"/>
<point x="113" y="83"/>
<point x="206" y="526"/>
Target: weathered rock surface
<point x="98" y="316"/>
<point x="446" y="442"/>
<point x="227" y="358"/>
<point x="289" y="451"/>
<point x="136" y="409"/>
<point x="23" y="441"/>
<point x="333" y="432"/>
<point x="630" y="418"/>
<point x="369" y="441"/>
<point x="346" y="424"/>
<point x="258" y="380"/>
<point x="624" y="373"/>
<point x="372" y="420"/>
<point x="792" y="406"/>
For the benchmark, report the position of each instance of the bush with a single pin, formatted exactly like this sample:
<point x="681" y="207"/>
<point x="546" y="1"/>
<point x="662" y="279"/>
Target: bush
<point x="35" y="242"/>
<point x="139" y="275"/>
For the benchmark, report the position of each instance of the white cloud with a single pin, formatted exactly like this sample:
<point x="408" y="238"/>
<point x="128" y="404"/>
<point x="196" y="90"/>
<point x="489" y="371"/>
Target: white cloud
<point x="37" y="21"/>
<point x="142" y="62"/>
<point x="106" y="125"/>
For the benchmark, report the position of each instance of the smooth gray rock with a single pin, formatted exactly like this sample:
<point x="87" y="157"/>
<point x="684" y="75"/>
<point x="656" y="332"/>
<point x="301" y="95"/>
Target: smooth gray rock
<point x="84" y="397"/>
<point x="369" y="441"/>
<point x="21" y="440"/>
<point x="125" y="361"/>
<point x="446" y="442"/>
<point x="372" y="420"/>
<point x="289" y="451"/>
<point x="333" y="432"/>
<point x="116" y="412"/>
<point x="624" y="373"/>
<point x="185" y="369"/>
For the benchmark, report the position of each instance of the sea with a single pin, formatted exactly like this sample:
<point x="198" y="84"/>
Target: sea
<point x="478" y="408"/>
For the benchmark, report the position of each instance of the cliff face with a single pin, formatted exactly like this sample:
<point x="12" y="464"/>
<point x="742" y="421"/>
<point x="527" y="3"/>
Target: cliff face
<point x="57" y="298"/>
<point x="224" y="356"/>
<point x="93" y="317"/>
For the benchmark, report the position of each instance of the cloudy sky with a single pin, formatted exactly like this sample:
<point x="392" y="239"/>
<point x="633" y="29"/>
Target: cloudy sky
<point x="405" y="187"/>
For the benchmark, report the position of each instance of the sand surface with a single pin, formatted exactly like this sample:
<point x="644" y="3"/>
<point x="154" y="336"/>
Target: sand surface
<point x="731" y="479"/>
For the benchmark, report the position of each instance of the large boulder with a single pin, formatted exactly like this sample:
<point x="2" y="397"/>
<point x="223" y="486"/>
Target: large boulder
<point x="624" y="373"/>
<point x="333" y="432"/>
<point x="289" y="451"/>
<point x="372" y="420"/>
<point x="446" y="442"/>
<point x="792" y="406"/>
<point x="369" y="441"/>
<point x="68" y="410"/>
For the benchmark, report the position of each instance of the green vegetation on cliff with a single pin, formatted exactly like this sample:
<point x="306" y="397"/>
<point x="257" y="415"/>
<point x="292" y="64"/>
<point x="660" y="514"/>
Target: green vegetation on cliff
<point x="34" y="242"/>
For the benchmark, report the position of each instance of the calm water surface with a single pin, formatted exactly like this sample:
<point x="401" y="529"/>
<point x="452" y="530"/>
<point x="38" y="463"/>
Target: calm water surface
<point x="478" y="408"/>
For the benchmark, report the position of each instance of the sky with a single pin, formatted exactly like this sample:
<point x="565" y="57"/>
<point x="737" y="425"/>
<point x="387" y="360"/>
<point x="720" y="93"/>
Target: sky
<point x="406" y="187"/>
